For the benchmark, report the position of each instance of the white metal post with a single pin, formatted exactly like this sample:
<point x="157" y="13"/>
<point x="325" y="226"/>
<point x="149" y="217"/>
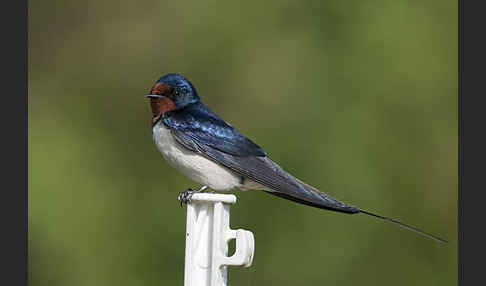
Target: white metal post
<point x="207" y="237"/>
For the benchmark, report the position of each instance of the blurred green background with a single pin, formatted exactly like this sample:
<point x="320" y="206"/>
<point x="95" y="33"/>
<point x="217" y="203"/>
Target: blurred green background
<point x="358" y="98"/>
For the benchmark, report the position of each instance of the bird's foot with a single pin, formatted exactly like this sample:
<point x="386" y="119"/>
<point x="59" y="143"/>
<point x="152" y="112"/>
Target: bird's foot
<point x="185" y="197"/>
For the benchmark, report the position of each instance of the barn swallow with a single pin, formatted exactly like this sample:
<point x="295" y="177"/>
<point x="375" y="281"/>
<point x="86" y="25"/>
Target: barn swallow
<point x="197" y="142"/>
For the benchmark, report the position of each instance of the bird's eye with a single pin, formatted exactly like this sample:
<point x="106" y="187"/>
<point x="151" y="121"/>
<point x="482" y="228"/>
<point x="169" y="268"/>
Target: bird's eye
<point x="176" y="93"/>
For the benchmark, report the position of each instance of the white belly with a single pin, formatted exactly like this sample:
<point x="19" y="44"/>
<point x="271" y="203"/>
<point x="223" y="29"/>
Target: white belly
<point x="196" y="166"/>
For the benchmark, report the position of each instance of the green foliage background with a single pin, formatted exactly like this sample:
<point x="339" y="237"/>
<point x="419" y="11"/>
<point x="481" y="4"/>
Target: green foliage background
<point x="358" y="98"/>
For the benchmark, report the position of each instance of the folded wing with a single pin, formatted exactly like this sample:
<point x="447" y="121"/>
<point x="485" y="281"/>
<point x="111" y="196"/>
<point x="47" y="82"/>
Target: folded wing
<point x="219" y="142"/>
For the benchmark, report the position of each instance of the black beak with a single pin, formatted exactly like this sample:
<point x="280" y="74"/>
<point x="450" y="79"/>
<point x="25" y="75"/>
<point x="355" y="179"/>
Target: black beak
<point x="154" y="96"/>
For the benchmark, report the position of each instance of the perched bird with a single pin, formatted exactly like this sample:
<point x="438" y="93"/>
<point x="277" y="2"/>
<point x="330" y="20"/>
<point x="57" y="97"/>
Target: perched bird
<point x="194" y="140"/>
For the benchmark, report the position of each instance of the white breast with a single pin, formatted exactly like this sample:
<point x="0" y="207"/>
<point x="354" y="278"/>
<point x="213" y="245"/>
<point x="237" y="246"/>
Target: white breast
<point x="196" y="166"/>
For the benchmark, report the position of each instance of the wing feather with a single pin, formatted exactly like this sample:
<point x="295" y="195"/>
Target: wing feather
<point x="200" y="124"/>
<point x="266" y="172"/>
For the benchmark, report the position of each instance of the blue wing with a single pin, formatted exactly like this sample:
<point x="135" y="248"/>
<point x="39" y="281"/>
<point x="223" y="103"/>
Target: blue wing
<point x="200" y="130"/>
<point x="199" y="123"/>
<point x="268" y="173"/>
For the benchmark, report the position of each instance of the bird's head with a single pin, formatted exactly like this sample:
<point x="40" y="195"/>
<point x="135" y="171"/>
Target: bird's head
<point x="170" y="92"/>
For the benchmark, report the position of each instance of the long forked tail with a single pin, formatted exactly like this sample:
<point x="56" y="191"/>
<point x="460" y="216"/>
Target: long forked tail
<point x="406" y="226"/>
<point x="348" y="209"/>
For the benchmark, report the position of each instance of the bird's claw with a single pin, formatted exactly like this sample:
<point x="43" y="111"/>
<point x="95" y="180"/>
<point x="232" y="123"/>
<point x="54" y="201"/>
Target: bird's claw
<point x="185" y="197"/>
